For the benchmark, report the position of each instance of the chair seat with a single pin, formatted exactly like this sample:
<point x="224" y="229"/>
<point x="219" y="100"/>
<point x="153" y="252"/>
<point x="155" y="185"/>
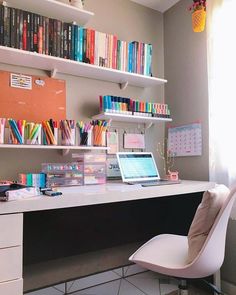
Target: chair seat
<point x="163" y="253"/>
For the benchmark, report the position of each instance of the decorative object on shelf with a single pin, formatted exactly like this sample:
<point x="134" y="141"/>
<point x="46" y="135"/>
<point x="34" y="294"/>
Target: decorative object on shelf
<point x="172" y="175"/>
<point x="167" y="157"/>
<point x="112" y="142"/>
<point x="198" y="9"/>
<point x="77" y="3"/>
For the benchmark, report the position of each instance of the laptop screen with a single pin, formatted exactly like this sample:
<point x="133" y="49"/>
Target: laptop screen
<point x="137" y="167"/>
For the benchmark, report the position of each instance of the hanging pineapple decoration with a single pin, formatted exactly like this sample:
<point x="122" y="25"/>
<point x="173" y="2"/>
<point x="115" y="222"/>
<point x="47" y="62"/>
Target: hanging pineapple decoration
<point x="198" y="9"/>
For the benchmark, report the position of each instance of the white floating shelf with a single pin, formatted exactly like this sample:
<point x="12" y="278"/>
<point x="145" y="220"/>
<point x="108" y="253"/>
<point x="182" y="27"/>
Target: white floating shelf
<point x="35" y="60"/>
<point x="129" y="118"/>
<point x="52" y="9"/>
<point x="52" y="147"/>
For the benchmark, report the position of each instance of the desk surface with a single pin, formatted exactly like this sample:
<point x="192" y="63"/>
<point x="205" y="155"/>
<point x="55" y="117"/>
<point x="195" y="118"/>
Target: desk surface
<point x="102" y="194"/>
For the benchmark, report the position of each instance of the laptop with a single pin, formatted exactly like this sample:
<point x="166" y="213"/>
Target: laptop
<point x="140" y="168"/>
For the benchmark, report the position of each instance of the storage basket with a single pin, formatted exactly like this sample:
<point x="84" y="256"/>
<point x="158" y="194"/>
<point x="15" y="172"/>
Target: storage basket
<point x="199" y="20"/>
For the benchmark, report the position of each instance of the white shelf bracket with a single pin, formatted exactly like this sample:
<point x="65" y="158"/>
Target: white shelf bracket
<point x="53" y="73"/>
<point x="65" y="152"/>
<point x="123" y="86"/>
<point x="147" y="126"/>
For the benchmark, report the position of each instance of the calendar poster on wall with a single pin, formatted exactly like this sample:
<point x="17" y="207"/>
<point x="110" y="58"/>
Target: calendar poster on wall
<point x="185" y="140"/>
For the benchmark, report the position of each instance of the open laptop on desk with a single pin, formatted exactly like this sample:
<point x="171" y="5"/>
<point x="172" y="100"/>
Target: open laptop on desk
<point x="140" y="168"/>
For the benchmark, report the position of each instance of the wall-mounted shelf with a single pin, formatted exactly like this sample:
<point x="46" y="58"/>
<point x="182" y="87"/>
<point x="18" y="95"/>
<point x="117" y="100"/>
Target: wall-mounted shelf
<point x="130" y="118"/>
<point x="53" y="147"/>
<point x="52" y="9"/>
<point x="35" y="60"/>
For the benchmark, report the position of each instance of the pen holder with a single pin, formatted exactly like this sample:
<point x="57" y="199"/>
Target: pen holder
<point x="67" y="132"/>
<point x="33" y="133"/>
<point x="84" y="138"/>
<point x="2" y="130"/>
<point x="99" y="138"/>
<point x="49" y="137"/>
<point x="16" y="131"/>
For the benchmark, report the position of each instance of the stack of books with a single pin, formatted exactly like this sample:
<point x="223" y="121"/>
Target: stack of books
<point x="32" y="32"/>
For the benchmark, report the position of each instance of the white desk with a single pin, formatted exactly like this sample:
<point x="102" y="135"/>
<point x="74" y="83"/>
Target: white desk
<point x="11" y="219"/>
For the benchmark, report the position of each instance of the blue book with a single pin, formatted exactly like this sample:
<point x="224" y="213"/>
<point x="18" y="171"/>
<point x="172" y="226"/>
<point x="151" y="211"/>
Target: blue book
<point x="130" y="57"/>
<point x="81" y="46"/>
<point x="76" y="42"/>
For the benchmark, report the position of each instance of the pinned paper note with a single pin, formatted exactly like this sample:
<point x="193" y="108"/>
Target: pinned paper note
<point x="112" y="142"/>
<point x="21" y="81"/>
<point x="134" y="141"/>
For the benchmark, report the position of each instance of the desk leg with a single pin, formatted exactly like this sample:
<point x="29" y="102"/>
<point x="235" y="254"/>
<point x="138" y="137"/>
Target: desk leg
<point x="217" y="280"/>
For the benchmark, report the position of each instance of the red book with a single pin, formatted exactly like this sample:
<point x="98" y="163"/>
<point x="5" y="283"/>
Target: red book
<point x="40" y="35"/>
<point x="24" y="35"/>
<point x="88" y="41"/>
<point x="92" y="46"/>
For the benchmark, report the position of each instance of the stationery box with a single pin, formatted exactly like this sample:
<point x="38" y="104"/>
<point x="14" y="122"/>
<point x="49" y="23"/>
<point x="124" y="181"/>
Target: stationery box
<point x="94" y="167"/>
<point x="63" y="174"/>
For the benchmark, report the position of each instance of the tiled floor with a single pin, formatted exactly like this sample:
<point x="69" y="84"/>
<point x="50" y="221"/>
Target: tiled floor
<point x="146" y="283"/>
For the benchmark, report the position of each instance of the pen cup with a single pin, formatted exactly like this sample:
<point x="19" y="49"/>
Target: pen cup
<point x="16" y="131"/>
<point x="67" y="132"/>
<point x="2" y="130"/>
<point x="33" y="133"/>
<point x="84" y="138"/>
<point x="49" y="133"/>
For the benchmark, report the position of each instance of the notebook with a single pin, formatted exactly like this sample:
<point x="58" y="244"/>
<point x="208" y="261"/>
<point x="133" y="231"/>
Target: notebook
<point x="140" y="168"/>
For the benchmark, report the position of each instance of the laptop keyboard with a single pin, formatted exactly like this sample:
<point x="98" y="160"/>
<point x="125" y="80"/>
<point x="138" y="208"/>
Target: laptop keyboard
<point x="159" y="182"/>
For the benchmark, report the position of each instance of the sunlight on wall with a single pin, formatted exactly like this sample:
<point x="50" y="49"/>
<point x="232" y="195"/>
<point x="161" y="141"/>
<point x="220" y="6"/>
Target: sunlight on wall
<point x="222" y="100"/>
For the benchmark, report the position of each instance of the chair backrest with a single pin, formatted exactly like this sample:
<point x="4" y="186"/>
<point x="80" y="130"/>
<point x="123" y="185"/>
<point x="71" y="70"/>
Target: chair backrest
<point x="211" y="256"/>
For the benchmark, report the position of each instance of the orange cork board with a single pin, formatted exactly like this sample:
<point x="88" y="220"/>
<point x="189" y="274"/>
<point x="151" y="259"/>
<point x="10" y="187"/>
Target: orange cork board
<point x="37" y="99"/>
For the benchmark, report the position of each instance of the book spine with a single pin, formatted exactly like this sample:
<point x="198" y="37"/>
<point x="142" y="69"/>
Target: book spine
<point x="58" y="40"/>
<point x="35" y="30"/>
<point x="6" y="26"/>
<point x="150" y="60"/>
<point x="84" y="44"/>
<point x="81" y="45"/>
<point x="92" y="46"/>
<point x="65" y="40"/>
<point x="28" y="31"/>
<point x="54" y="47"/>
<point x="69" y="41"/>
<point x="50" y="36"/>
<point x="43" y="33"/>
<point x="62" y="40"/>
<point x="46" y="35"/>
<point x="31" y="29"/>
<point x="21" y="29"/>
<point x="40" y="34"/>
<point x="73" y="42"/>
<point x="17" y="28"/>
<point x="76" y="38"/>
<point x="88" y="46"/>
<point x="114" y="53"/>
<point x="130" y="68"/>
<point x="13" y="27"/>
<point x="118" y="54"/>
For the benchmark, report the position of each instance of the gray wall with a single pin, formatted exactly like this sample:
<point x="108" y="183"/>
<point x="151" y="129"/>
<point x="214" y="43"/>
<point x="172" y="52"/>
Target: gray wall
<point x="186" y="91"/>
<point x="130" y="22"/>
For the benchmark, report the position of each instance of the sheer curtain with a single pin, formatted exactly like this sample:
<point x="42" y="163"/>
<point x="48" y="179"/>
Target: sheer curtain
<point x="221" y="43"/>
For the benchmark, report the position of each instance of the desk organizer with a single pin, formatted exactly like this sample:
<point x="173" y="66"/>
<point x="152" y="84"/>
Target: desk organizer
<point x="94" y="167"/>
<point x="63" y="174"/>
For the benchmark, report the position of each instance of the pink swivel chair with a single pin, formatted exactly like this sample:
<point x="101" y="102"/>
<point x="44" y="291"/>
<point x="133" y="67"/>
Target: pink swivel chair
<point x="167" y="254"/>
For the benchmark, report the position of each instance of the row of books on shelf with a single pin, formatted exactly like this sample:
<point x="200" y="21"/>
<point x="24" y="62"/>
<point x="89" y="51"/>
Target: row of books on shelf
<point x="32" y="32"/>
<point x="130" y="106"/>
